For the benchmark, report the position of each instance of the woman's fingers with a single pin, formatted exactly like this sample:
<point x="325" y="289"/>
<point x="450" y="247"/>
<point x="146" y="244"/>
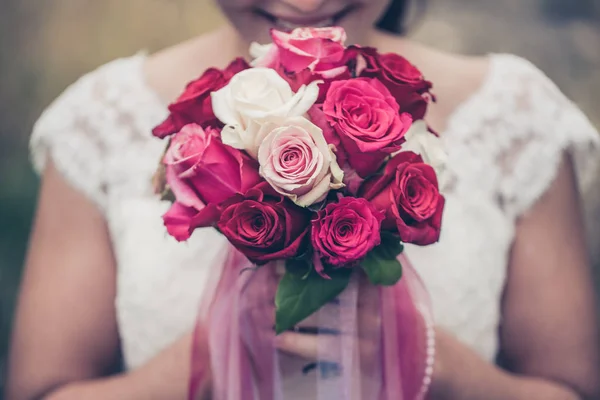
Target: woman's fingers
<point x="307" y="346"/>
<point x="324" y="347"/>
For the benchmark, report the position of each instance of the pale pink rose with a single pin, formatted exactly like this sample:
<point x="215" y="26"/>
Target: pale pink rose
<point x="298" y="163"/>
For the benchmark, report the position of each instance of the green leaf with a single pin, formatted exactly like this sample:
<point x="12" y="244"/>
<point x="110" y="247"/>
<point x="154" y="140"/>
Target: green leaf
<point x="382" y="271"/>
<point x="299" y="297"/>
<point x="381" y="264"/>
<point x="299" y="266"/>
<point x="391" y="245"/>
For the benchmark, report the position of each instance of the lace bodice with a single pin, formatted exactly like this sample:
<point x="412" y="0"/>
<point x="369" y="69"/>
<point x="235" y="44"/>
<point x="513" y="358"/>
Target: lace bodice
<point x="504" y="146"/>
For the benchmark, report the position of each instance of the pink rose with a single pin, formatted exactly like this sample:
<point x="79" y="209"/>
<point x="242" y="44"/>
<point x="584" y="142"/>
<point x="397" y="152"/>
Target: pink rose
<point x="178" y="221"/>
<point x="344" y="232"/>
<point x="321" y="50"/>
<point x="306" y="54"/>
<point x="194" y="105"/>
<point x="264" y="225"/>
<point x="403" y="80"/>
<point x="202" y="172"/>
<point x="408" y="193"/>
<point x="298" y="163"/>
<point x="367" y="119"/>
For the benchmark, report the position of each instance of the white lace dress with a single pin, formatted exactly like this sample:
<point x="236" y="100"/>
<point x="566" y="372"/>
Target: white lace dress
<point x="504" y="146"/>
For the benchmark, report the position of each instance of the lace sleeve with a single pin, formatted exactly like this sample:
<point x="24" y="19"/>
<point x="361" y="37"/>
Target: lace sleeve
<point x="79" y="129"/>
<point x="541" y="124"/>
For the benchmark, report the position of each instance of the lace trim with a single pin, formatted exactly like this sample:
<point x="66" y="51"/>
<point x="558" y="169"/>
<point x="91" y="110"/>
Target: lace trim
<point x="94" y="117"/>
<point x="510" y="136"/>
<point x="552" y="126"/>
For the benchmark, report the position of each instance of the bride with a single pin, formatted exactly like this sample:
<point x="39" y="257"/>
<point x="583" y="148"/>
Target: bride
<point x="105" y="287"/>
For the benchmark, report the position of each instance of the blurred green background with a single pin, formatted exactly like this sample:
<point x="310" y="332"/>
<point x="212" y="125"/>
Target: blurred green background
<point x="45" y="45"/>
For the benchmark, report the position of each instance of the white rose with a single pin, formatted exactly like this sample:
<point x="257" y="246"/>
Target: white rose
<point x="421" y="141"/>
<point x="297" y="161"/>
<point x="254" y="97"/>
<point x="263" y="55"/>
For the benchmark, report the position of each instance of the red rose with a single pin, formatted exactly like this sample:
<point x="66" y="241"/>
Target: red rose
<point x="344" y="232"/>
<point x="202" y="172"/>
<point x="367" y="120"/>
<point x="408" y="193"/>
<point x="404" y="80"/>
<point x="265" y="226"/>
<point x="194" y="105"/>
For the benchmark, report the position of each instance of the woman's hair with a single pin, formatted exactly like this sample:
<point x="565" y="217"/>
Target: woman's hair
<point x="395" y="18"/>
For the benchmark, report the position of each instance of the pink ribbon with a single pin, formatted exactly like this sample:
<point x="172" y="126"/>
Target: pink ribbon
<point x="384" y="350"/>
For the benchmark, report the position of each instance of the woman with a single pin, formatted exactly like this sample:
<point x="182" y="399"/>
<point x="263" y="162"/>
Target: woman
<point x="509" y="277"/>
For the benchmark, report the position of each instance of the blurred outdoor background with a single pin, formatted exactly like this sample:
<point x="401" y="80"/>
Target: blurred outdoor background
<point x="45" y="45"/>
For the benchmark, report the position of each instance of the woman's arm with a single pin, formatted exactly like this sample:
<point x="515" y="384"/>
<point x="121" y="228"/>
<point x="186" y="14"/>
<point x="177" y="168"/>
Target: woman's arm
<point x="65" y="337"/>
<point x="549" y="333"/>
<point x="163" y="378"/>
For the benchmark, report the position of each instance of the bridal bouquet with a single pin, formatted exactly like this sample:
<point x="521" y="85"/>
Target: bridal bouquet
<point x="314" y="161"/>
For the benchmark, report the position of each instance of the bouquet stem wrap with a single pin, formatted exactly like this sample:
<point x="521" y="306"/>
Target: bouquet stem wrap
<point x="373" y="342"/>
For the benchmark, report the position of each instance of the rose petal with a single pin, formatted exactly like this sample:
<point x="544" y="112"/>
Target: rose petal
<point x="178" y="221"/>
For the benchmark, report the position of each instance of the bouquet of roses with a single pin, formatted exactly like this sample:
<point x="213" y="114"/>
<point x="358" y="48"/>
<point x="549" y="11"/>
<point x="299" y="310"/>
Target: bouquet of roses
<point x="313" y="160"/>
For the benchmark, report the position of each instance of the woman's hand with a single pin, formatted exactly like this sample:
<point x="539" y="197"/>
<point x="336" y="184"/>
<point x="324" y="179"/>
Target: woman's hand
<point x="332" y="320"/>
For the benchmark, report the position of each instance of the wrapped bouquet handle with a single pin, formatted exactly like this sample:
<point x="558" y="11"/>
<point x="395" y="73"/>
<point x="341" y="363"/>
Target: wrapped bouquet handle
<point x="388" y="356"/>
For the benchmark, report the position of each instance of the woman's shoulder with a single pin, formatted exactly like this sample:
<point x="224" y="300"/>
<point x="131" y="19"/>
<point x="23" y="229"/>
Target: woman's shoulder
<point x="523" y="124"/>
<point x="518" y="95"/>
<point x="512" y="75"/>
<point x="100" y="112"/>
<point x="500" y="82"/>
<point x="514" y="83"/>
<point x="496" y="80"/>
